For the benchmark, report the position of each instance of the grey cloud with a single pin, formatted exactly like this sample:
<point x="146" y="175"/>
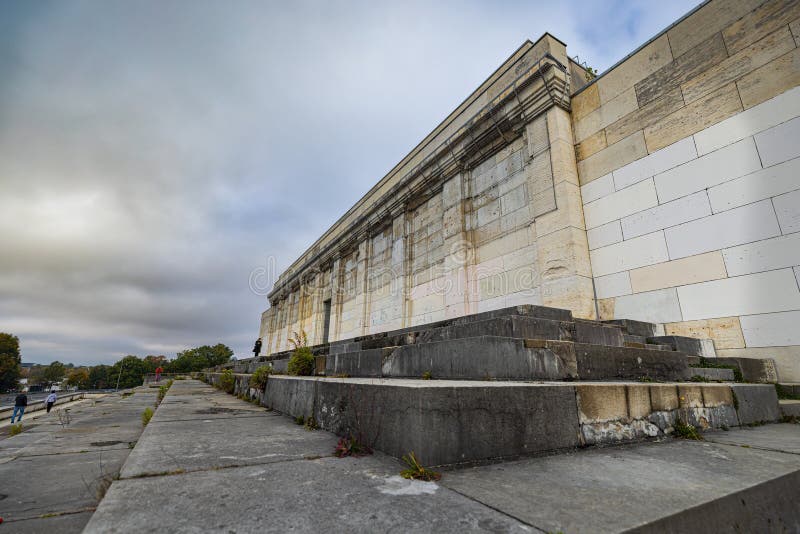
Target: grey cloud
<point x="152" y="154"/>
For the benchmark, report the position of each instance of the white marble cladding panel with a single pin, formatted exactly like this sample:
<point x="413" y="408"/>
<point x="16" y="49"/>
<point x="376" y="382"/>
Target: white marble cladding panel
<point x="655" y="163"/>
<point x="620" y="204"/>
<point x="771" y="329"/>
<point x="772" y="127"/>
<point x="678" y="211"/>
<point x="787" y="207"/>
<point x="746" y="224"/>
<point x="766" y="255"/>
<point x="780" y="143"/>
<point x="604" y="235"/>
<point x="725" y="164"/>
<point x="750" y="294"/>
<point x="613" y="285"/>
<point x="598" y="188"/>
<point x="659" y="306"/>
<point x="756" y="119"/>
<point x="630" y="254"/>
<point x="756" y="186"/>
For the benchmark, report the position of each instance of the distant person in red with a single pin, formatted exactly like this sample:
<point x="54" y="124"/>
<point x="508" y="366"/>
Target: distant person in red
<point x="159" y="370"/>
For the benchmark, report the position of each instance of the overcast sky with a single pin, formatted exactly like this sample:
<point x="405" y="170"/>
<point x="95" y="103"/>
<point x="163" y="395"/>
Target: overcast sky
<point x="154" y="153"/>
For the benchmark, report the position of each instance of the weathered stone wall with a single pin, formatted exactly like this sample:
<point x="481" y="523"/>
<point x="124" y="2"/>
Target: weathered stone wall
<point x="690" y="178"/>
<point x="496" y="221"/>
<point x="669" y="193"/>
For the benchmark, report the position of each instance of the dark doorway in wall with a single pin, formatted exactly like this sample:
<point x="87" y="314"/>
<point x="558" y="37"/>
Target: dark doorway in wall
<point x="326" y="327"/>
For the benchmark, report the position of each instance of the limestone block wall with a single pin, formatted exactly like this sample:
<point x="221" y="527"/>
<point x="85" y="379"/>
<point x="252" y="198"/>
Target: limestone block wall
<point x="491" y="218"/>
<point x="690" y="180"/>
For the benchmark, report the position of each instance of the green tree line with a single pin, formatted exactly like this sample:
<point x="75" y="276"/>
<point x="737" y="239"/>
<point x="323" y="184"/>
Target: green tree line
<point x="129" y="371"/>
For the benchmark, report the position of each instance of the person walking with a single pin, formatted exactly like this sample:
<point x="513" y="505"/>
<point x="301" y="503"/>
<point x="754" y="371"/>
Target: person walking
<point x="51" y="400"/>
<point x="19" y="407"/>
<point x="159" y="370"/>
<point x="257" y="348"/>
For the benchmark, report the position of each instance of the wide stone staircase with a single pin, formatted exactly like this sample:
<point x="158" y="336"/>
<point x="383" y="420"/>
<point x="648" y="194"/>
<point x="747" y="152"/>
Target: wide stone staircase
<point x="517" y="381"/>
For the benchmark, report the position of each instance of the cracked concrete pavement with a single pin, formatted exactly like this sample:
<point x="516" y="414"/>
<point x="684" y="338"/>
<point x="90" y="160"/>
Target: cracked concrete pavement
<point x="209" y="462"/>
<point x="54" y="476"/>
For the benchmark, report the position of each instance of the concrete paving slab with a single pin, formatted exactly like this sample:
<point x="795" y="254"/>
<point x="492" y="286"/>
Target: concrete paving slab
<point x="615" y="489"/>
<point x="782" y="437"/>
<point x="61" y="523"/>
<point x="324" y="495"/>
<point x="196" y="444"/>
<point x="260" y="473"/>
<point x="193" y="400"/>
<point x="55" y="471"/>
<point x="55" y="483"/>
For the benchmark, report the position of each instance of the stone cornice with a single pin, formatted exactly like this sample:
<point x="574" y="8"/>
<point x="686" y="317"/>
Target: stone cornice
<point x="536" y="89"/>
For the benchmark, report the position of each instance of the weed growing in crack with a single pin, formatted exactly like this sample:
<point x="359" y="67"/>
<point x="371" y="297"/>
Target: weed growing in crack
<point x="686" y="431"/>
<point x="351" y="446"/>
<point x="227" y="382"/>
<point x="416" y="471"/>
<point x="147" y="414"/>
<point x="259" y="378"/>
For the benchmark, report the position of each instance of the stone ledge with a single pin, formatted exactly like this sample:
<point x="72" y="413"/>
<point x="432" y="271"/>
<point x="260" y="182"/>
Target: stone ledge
<point x="453" y="421"/>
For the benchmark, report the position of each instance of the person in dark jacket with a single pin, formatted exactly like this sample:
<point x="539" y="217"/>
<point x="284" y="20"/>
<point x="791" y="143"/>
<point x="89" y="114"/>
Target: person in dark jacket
<point x="257" y="348"/>
<point x="19" y="407"/>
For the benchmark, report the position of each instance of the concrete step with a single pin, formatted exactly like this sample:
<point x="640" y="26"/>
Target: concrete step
<point x="530" y="311"/>
<point x="638" y="328"/>
<point x="790" y="389"/>
<point x="504" y="358"/>
<point x="628" y="338"/>
<point x="790" y="409"/>
<point x="711" y="373"/>
<point x="366" y="355"/>
<point x="760" y="370"/>
<point x="687" y="345"/>
<point x="512" y="326"/>
<point x="451" y="422"/>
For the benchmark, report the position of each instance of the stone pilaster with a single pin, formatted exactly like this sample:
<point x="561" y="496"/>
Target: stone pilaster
<point x="563" y="251"/>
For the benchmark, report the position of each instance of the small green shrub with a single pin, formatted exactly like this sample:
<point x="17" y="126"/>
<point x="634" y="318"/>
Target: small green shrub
<point x="227" y="382"/>
<point x="698" y="378"/>
<point x="15" y="429"/>
<point x="162" y="392"/>
<point x="427" y="375"/>
<point x="416" y="471"/>
<point x="259" y="379"/>
<point x="686" y="431"/>
<point x="147" y="414"/>
<point x="302" y="362"/>
<point x="300" y="420"/>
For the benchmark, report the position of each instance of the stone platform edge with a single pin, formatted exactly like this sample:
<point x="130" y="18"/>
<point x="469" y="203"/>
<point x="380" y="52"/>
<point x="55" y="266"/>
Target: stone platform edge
<point x="450" y="422"/>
